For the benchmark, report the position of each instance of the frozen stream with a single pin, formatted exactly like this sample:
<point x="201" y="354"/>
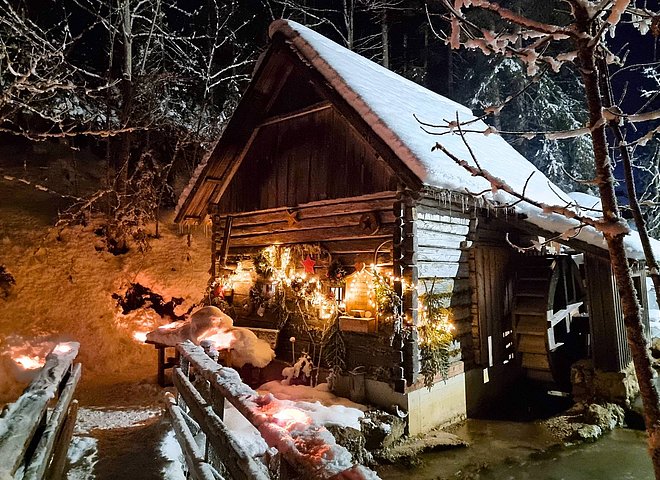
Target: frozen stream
<point x="523" y="451"/>
<point x="619" y="455"/>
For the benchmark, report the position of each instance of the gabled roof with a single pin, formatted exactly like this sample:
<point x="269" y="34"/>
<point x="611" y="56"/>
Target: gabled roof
<point x="393" y="106"/>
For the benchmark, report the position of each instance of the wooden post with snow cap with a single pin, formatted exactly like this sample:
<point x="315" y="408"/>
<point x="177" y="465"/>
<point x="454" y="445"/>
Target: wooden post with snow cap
<point x="297" y="447"/>
<point x="22" y="444"/>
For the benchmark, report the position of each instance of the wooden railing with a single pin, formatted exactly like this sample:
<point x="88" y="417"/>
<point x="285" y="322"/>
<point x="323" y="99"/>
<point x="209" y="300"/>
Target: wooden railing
<point x="203" y="386"/>
<point x="34" y="438"/>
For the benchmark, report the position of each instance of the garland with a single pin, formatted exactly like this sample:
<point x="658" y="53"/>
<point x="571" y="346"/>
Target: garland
<point x="437" y="346"/>
<point x="388" y="302"/>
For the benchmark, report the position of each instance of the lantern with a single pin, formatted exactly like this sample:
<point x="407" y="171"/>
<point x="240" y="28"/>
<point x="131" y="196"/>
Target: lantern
<point x="360" y="300"/>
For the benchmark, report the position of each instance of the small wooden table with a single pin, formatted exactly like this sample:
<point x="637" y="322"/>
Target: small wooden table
<point x="164" y="364"/>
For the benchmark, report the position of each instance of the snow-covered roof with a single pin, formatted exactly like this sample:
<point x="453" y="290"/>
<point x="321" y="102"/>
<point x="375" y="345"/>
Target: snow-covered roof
<point x="394" y="106"/>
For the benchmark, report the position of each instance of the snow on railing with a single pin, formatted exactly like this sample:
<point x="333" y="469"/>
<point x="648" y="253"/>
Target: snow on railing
<point x="33" y="440"/>
<point x="305" y="449"/>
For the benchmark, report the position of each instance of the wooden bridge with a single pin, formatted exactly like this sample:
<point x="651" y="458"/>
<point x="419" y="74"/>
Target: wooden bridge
<point x="203" y="387"/>
<point x="36" y="430"/>
<point x="33" y="438"/>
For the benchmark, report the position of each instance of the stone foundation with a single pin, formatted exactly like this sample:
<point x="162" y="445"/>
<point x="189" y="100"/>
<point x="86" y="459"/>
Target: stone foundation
<point x="592" y="385"/>
<point x="443" y="404"/>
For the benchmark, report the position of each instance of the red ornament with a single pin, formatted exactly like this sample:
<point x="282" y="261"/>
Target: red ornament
<point x="308" y="264"/>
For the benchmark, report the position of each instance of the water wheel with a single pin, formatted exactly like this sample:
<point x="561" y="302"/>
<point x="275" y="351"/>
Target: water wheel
<point x="548" y="295"/>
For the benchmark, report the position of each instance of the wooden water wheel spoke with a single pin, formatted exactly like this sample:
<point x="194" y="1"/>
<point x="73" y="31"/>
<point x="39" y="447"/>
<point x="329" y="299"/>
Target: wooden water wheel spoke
<point x="548" y="293"/>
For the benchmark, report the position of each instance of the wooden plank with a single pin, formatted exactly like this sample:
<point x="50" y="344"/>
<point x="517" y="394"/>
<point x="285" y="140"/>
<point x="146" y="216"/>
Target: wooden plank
<point x="535" y="361"/>
<point x="321" y="208"/>
<point x="317" y="107"/>
<point x="443" y="269"/>
<point x="42" y="454"/>
<point x="440" y="240"/>
<point x="532" y="344"/>
<point x="436" y="217"/>
<point x="530" y="306"/>
<point x="198" y="467"/>
<point x="555" y="318"/>
<point x="312" y="235"/>
<point x="366" y="131"/>
<point x="58" y="462"/>
<point x="293" y="223"/>
<point x="430" y="254"/>
<point x="454" y="228"/>
<point x="237" y="461"/>
<point x="531" y="325"/>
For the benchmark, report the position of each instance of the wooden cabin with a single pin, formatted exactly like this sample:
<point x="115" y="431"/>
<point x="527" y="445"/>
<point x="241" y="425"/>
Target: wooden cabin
<point x="325" y="166"/>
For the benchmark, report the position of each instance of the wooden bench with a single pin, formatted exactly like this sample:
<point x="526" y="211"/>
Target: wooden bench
<point x="168" y="362"/>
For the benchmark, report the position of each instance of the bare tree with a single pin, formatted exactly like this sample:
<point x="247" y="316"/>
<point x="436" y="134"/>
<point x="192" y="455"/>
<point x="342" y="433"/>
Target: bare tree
<point x="160" y="67"/>
<point x="581" y="40"/>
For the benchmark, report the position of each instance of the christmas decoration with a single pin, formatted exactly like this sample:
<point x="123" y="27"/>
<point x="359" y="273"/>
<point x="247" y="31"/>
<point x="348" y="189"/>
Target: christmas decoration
<point x="308" y="264"/>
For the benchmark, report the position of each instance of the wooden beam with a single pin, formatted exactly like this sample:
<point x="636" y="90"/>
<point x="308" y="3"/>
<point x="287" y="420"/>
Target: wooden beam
<point x="319" y="208"/>
<point x="317" y="107"/>
<point x="20" y="423"/>
<point x="313" y="235"/>
<point x="215" y="180"/>
<point x="233" y="167"/>
<point x="47" y="443"/>
<point x="359" y="124"/>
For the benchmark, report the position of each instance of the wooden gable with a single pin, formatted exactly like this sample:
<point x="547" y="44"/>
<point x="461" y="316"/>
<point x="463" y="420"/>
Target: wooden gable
<point x="315" y="156"/>
<point x="292" y="140"/>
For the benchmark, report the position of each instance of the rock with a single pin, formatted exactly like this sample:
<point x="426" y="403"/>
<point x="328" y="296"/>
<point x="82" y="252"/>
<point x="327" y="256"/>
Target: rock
<point x="655" y="347"/>
<point x="407" y="451"/>
<point x="606" y="417"/>
<point x="591" y="385"/>
<point x="7" y="282"/>
<point x="353" y="440"/>
<point x="381" y="430"/>
<point x="589" y="433"/>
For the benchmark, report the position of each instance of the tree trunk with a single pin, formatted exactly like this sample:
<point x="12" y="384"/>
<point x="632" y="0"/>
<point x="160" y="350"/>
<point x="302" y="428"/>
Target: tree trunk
<point x="127" y="96"/>
<point x="385" y="38"/>
<point x="633" y="203"/>
<point x="614" y="237"/>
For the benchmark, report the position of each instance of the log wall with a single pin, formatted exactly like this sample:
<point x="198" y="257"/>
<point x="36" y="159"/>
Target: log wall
<point x="304" y="159"/>
<point x="610" y="349"/>
<point x="444" y="239"/>
<point x="351" y="229"/>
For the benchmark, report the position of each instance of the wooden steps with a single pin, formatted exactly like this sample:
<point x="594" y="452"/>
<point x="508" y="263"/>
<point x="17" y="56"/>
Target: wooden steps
<point x="530" y="316"/>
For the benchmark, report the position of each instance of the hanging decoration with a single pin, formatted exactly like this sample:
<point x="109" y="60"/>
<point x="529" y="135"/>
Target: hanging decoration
<point x="308" y="265"/>
<point x="437" y="346"/>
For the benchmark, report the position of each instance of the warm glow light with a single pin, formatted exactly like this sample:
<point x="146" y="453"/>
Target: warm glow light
<point x="169" y="326"/>
<point x="28" y="362"/>
<point x="64" y="348"/>
<point x="140" y="336"/>
<point x="289" y="417"/>
<point x="222" y="340"/>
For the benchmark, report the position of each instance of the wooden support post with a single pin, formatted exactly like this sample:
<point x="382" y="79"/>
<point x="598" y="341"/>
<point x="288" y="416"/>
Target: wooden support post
<point x="409" y="274"/>
<point x="224" y="249"/>
<point x="58" y="461"/>
<point x="161" y="365"/>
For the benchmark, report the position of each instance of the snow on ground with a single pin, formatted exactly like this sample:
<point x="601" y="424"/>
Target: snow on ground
<point x="114" y="443"/>
<point x="321" y="406"/>
<point x="171" y="451"/>
<point x="64" y="286"/>
<point x="82" y="456"/>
